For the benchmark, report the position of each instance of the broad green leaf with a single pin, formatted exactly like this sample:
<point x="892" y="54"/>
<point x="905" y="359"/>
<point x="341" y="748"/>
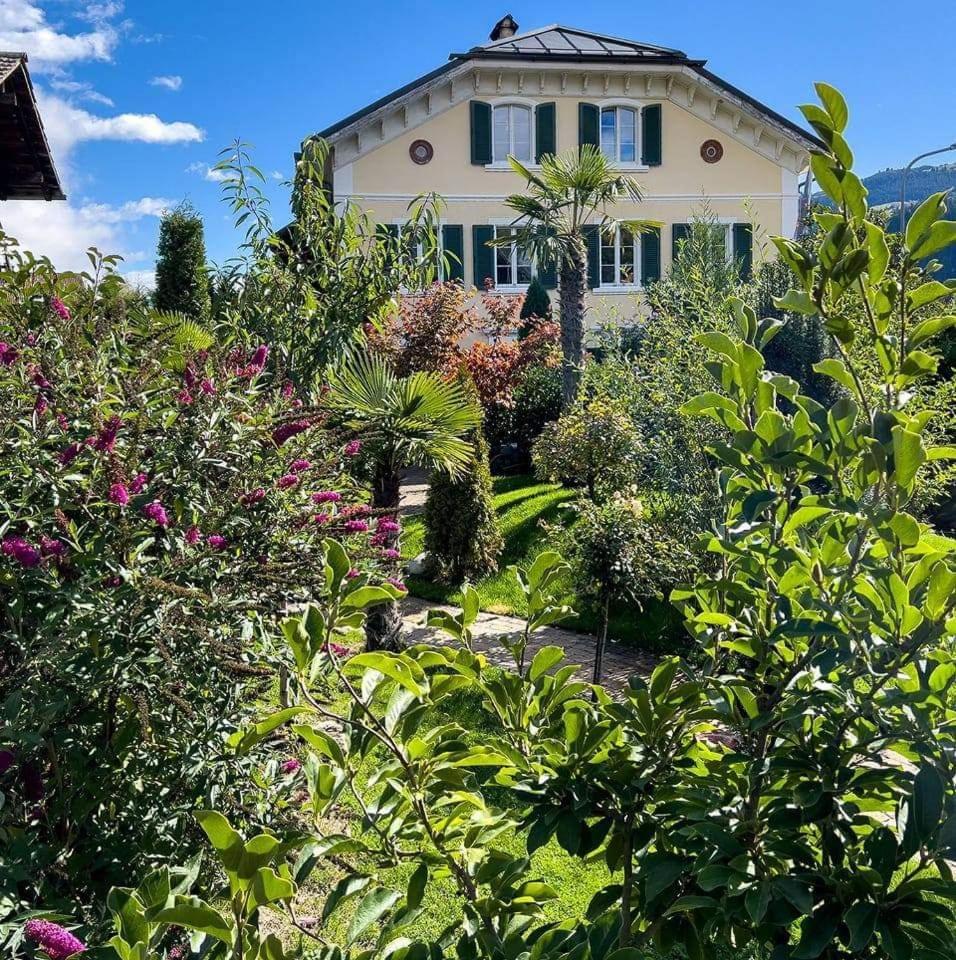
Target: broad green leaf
<point x="375" y="904"/>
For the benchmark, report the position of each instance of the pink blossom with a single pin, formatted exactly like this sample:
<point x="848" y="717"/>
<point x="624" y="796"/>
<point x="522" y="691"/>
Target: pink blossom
<point x="292" y="765"/>
<point x="396" y="583"/>
<point x="69" y="454"/>
<point x="20" y="550"/>
<point x="326" y="496"/>
<point x="353" y="447"/>
<point x="287" y="481"/>
<point x="353" y="573"/>
<point x="30" y="339"/>
<point x="62" y="421"/>
<point x="106" y="438"/>
<point x="392" y="554"/>
<point x="356" y="526"/>
<point x="321" y="518"/>
<point x="337" y="649"/>
<point x="217" y="541"/>
<point x="356" y="510"/>
<point x="193" y="535"/>
<point x="119" y="494"/>
<point x="40" y="406"/>
<point x="379" y="539"/>
<point x="300" y="465"/>
<point x="253" y="497"/>
<point x="55" y="941"/>
<point x="258" y="359"/>
<point x="189" y="375"/>
<point x="387" y="525"/>
<point x="113" y="581"/>
<point x="138" y="483"/>
<point x="207" y="387"/>
<point x="157" y="513"/>
<point x="287" y="390"/>
<point x="60" y="308"/>
<point x="184" y="397"/>
<point x="8" y="354"/>
<point x="287" y="430"/>
<point x="52" y="547"/>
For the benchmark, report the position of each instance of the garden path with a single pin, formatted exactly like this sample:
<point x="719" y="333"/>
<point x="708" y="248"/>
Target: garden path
<point x="620" y="661"/>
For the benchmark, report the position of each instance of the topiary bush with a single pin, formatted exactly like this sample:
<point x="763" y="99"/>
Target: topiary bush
<point x="536" y="306"/>
<point x="182" y="277"/>
<point x="462" y="539"/>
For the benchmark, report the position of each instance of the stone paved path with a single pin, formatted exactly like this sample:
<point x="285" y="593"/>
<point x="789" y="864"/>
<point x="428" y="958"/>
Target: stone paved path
<point x="413" y="492"/>
<point x="620" y="661"/>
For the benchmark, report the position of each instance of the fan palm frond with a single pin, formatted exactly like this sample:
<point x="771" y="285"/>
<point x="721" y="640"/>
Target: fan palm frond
<point x="181" y="335"/>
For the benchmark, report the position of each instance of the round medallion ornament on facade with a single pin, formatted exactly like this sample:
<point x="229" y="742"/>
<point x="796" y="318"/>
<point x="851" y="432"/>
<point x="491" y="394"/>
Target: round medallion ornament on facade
<point x="421" y="151"/>
<point x="711" y="151"/>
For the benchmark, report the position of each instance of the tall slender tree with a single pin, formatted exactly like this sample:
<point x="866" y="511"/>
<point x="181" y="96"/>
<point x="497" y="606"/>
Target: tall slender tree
<point x="182" y="278"/>
<point x="570" y="190"/>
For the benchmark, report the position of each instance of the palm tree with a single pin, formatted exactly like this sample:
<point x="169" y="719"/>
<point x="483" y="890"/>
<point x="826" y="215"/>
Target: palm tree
<point x="419" y="420"/>
<point x="567" y="193"/>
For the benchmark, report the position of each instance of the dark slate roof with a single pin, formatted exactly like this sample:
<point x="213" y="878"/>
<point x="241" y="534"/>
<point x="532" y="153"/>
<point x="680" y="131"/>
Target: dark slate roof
<point x="568" y="43"/>
<point x="27" y="171"/>
<point x="557" y="43"/>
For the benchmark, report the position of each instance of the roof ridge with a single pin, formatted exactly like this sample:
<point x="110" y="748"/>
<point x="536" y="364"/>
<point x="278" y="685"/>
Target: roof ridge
<point x="504" y="41"/>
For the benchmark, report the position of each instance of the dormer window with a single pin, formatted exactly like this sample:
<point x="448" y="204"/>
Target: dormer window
<point x="619" y="134"/>
<point x="512" y="133"/>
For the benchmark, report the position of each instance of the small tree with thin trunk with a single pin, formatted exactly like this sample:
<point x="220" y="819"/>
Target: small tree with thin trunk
<point x="420" y="420"/>
<point x="570" y="191"/>
<point x="182" y="278"/>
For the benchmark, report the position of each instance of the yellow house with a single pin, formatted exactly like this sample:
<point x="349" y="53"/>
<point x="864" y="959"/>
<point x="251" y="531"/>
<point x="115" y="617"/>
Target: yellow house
<point x="688" y="137"/>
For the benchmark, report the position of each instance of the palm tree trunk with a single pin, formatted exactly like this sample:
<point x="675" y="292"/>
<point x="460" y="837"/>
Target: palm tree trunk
<point x="383" y="623"/>
<point x="573" y="284"/>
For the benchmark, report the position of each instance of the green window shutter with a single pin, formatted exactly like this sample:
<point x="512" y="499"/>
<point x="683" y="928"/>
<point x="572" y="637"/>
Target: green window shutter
<point x="453" y="246"/>
<point x="589" y="124"/>
<point x="548" y="275"/>
<point x="592" y="237"/>
<point x="651" y="135"/>
<point x="679" y="231"/>
<point x="544" y="130"/>
<point x="480" y="132"/>
<point x="483" y="255"/>
<point x="650" y="256"/>
<point x="744" y="249"/>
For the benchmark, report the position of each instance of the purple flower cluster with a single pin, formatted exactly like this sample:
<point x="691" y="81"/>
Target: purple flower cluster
<point x="60" y="308"/>
<point x="300" y="465"/>
<point x="253" y="497"/>
<point x="8" y="354"/>
<point x="106" y="439"/>
<point x="20" y="550"/>
<point x="356" y="526"/>
<point x="287" y="481"/>
<point x="287" y="430"/>
<point x="138" y="483"/>
<point x="396" y="583"/>
<point x="156" y="512"/>
<point x="55" y="941"/>
<point x="353" y="447"/>
<point x="326" y="496"/>
<point x="217" y="541"/>
<point x="387" y="525"/>
<point x="119" y="494"/>
<point x="292" y="765"/>
<point x="193" y="535"/>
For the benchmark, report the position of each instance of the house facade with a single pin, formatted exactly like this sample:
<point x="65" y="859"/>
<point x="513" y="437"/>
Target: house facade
<point x="691" y="140"/>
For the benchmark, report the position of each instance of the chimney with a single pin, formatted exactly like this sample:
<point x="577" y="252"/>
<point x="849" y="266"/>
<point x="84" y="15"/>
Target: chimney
<point x="504" y="28"/>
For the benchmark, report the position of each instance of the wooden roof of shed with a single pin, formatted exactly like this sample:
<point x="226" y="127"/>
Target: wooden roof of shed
<point x="27" y="171"/>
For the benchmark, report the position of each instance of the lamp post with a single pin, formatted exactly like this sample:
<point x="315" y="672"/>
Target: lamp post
<point x="906" y="170"/>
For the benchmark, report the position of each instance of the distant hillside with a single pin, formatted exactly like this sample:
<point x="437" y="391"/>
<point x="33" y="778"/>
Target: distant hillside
<point x="884" y="190"/>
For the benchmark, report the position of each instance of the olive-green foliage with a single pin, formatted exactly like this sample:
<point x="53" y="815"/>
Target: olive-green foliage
<point x="536" y="400"/>
<point x="461" y="529"/>
<point x="182" y="278"/>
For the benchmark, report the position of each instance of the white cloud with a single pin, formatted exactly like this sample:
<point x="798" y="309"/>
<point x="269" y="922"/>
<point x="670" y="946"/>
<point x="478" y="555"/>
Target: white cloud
<point x="173" y="82"/>
<point x="66" y="125"/>
<point x="23" y="26"/>
<point x="80" y="90"/>
<point x="62" y="231"/>
<point x="277" y="175"/>
<point x="207" y="172"/>
<point x="144" y="280"/>
<point x="95" y="12"/>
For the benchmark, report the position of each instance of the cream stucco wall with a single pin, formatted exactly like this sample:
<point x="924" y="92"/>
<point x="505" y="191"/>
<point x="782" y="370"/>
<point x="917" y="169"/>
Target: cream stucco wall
<point x="744" y="186"/>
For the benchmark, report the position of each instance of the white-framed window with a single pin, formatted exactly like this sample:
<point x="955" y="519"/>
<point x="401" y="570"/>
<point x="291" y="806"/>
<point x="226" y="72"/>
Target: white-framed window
<point x="620" y="258"/>
<point x="620" y="134"/>
<point x="512" y="133"/>
<point x="513" y="266"/>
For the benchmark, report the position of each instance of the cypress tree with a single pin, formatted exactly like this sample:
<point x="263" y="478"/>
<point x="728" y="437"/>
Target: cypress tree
<point x="182" y="282"/>
<point x="537" y="304"/>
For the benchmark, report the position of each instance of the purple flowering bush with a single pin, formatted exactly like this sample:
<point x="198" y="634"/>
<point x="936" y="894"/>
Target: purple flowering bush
<point x="163" y="494"/>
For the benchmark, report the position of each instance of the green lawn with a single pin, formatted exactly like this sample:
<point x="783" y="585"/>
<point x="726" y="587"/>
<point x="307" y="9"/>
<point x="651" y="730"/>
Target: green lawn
<point x="523" y="505"/>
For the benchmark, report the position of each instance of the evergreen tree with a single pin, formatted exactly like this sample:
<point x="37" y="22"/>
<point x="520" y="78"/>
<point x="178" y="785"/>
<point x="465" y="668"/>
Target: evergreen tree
<point x="537" y="305"/>
<point x="461" y="530"/>
<point x="182" y="282"/>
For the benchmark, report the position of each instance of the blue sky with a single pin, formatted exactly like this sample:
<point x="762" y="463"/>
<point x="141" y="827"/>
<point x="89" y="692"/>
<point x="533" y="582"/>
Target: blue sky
<point x="138" y="98"/>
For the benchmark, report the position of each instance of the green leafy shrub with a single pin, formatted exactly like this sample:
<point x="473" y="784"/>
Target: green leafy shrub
<point x="536" y="306"/>
<point x="156" y="510"/>
<point x="461" y="529"/>
<point x="593" y="446"/>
